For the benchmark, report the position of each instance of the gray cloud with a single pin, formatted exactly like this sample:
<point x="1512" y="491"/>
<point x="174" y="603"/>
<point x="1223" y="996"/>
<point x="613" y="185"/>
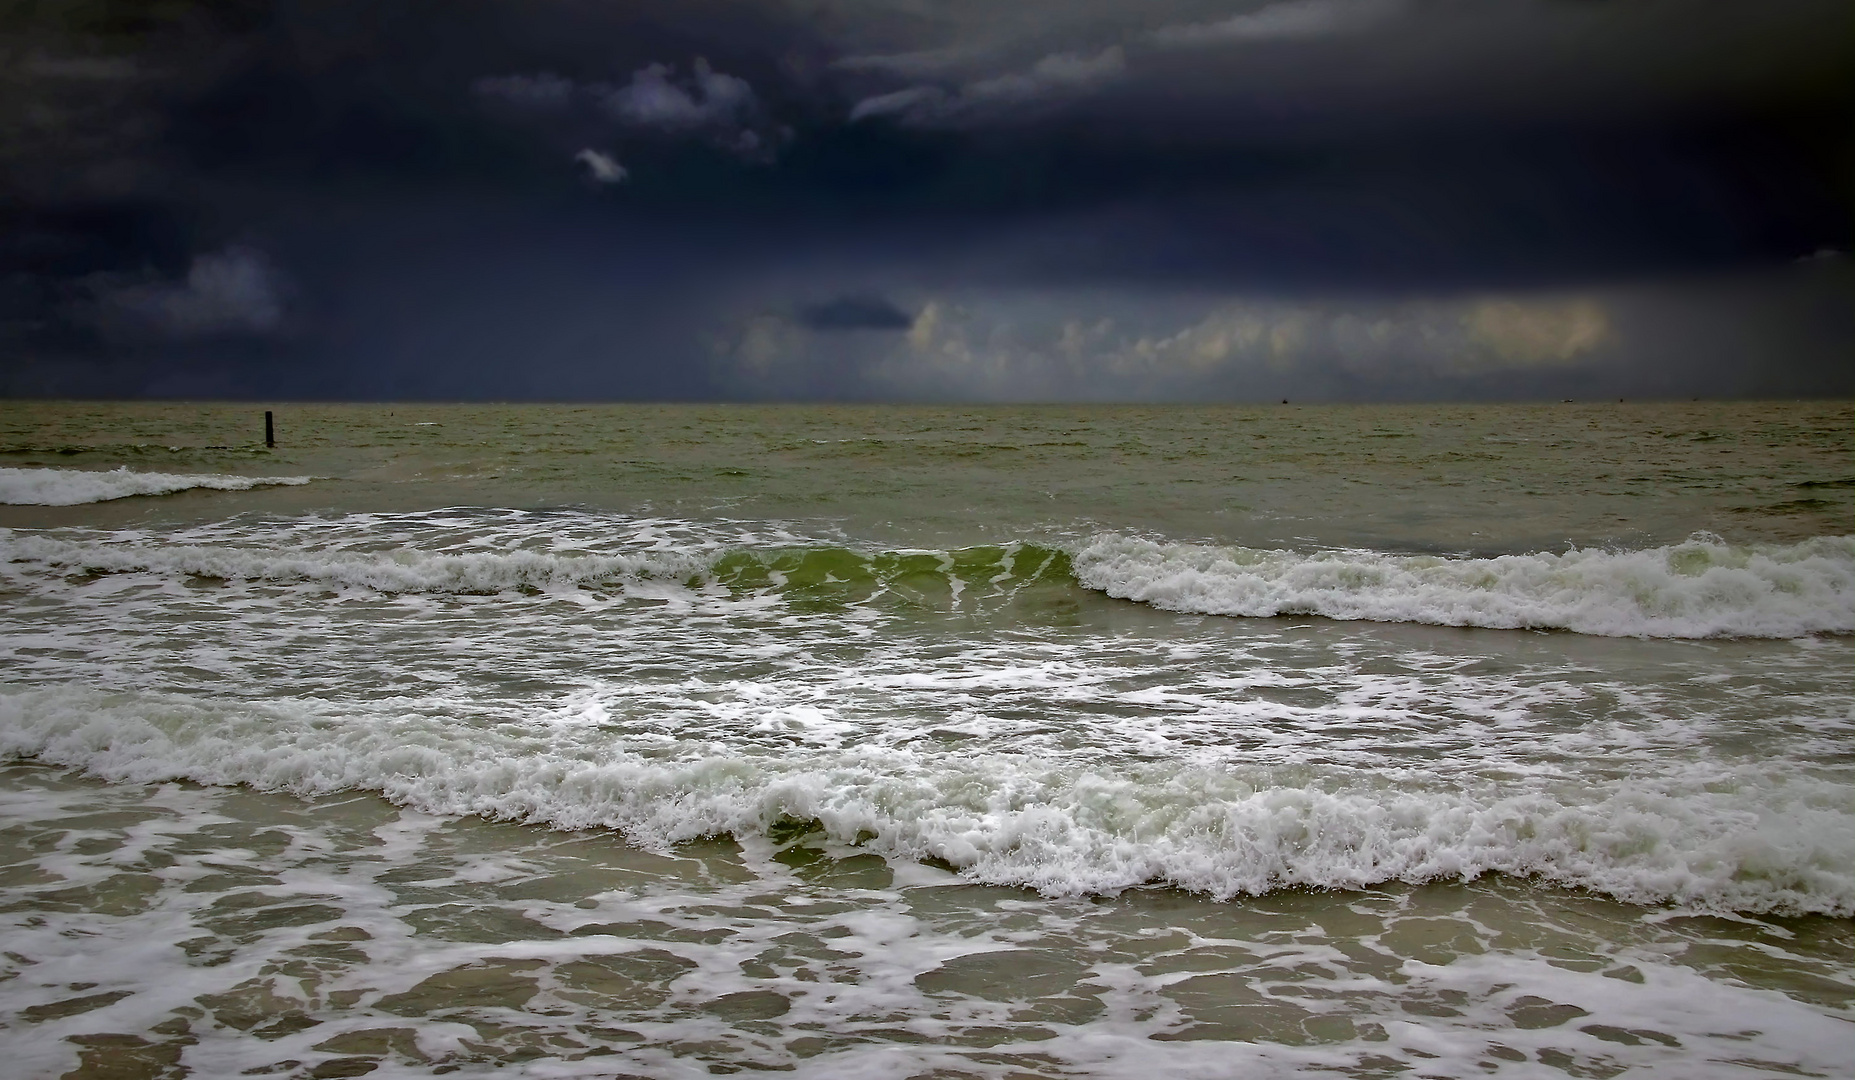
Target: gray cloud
<point x="1284" y="21"/>
<point x="1447" y="339"/>
<point x="656" y="99"/>
<point x="1064" y="346"/>
<point x="603" y="168"/>
<point x="236" y="292"/>
<point x="1056" y="73"/>
<point x="719" y="108"/>
<point x="921" y="64"/>
<point x="923" y="99"/>
<point x="1054" y="76"/>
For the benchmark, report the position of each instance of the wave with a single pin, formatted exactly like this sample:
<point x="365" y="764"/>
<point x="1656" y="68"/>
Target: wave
<point x="811" y="574"/>
<point x="1701" y="588"/>
<point x="1740" y="838"/>
<point x="73" y="487"/>
<point x="398" y="571"/>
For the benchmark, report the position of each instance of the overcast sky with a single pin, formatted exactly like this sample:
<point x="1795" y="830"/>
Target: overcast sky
<point x="1111" y="200"/>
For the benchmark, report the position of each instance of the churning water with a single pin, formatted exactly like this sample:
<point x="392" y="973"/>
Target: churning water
<point x="885" y="742"/>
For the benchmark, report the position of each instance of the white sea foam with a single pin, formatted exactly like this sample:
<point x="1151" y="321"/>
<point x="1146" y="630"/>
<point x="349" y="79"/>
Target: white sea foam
<point x="1701" y="588"/>
<point x="290" y="940"/>
<point x="403" y="570"/>
<point x="71" y="487"/>
<point x="675" y="679"/>
<point x="1714" y="838"/>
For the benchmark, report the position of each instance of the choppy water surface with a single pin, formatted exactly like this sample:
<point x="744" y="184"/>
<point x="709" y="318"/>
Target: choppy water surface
<point x="905" y="742"/>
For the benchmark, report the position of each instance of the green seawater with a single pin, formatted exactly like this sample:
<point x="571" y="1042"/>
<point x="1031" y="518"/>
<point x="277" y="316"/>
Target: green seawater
<point x="1452" y="478"/>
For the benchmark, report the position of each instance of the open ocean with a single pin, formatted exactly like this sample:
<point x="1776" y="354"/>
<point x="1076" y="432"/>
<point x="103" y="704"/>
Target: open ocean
<point x="905" y="742"/>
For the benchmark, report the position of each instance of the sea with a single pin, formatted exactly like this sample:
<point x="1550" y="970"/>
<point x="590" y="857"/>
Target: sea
<point x="915" y="742"/>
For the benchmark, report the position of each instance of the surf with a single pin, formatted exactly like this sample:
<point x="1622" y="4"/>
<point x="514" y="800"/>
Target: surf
<point x="76" y="487"/>
<point x="1701" y="588"/>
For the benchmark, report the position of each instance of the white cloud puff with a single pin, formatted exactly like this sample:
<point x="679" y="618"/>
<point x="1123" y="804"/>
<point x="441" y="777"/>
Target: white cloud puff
<point x="603" y="168"/>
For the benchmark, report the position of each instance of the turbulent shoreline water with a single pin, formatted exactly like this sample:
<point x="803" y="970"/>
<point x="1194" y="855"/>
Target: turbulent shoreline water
<point x="933" y="742"/>
<point x="1697" y="589"/>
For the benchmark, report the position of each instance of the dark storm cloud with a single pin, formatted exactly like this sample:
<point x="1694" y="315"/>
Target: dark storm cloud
<point x="863" y="312"/>
<point x="582" y="198"/>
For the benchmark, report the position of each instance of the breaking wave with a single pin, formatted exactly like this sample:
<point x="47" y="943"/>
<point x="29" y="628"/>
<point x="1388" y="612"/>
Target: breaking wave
<point x="817" y="573"/>
<point x="1744" y="838"/>
<point x="73" y="487"/>
<point x="402" y="570"/>
<point x="760" y="681"/>
<point x="1701" y="588"/>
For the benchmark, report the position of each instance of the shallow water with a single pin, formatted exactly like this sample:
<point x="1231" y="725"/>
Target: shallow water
<point x="901" y="742"/>
<point x="340" y="933"/>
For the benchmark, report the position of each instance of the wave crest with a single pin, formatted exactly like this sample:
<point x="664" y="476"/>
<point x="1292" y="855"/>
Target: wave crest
<point x="1700" y="588"/>
<point x="1735" y="838"/>
<point x="816" y="574"/>
<point x="74" y="487"/>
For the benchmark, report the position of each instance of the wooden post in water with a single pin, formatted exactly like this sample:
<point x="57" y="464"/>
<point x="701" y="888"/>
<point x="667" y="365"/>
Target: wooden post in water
<point x="270" y="433"/>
